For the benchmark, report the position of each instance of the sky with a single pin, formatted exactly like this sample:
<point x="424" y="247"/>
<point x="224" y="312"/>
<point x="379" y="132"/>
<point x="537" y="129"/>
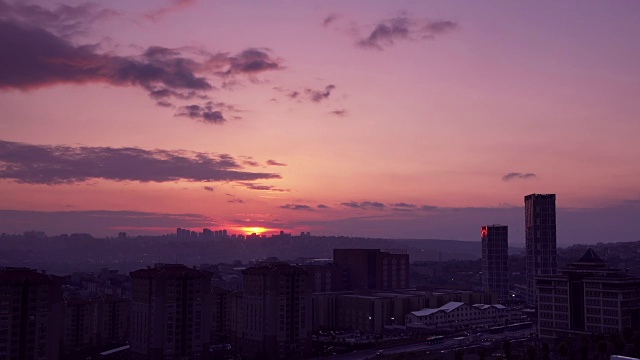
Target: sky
<point x="392" y="119"/>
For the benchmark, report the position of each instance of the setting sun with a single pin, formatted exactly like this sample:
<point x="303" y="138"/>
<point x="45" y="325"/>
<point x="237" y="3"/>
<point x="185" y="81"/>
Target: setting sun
<point x="254" y="230"/>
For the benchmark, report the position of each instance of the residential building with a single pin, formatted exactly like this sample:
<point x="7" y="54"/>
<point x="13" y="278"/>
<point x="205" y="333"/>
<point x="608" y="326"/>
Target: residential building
<point x="276" y="303"/>
<point x="78" y="326"/>
<point x="111" y="314"/>
<point x="220" y="315"/>
<point x="587" y="297"/>
<point x="31" y="313"/>
<point x="371" y="269"/>
<point x="540" y="238"/>
<point x="170" y="313"/>
<point x="495" y="270"/>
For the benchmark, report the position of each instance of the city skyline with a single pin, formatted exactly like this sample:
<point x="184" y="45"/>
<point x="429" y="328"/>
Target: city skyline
<point x="390" y="120"/>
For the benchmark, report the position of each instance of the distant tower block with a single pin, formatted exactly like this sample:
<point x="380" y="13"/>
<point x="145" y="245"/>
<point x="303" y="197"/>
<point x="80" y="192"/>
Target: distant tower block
<point x="495" y="259"/>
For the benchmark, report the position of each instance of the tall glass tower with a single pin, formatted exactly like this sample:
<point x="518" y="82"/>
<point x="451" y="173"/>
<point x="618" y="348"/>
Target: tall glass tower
<point x="540" y="236"/>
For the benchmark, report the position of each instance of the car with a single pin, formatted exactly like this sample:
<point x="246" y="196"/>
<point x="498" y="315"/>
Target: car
<point x="379" y="352"/>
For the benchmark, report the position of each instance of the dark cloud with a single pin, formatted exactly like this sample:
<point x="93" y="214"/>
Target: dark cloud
<point x="319" y="95"/>
<point x="339" y="113"/>
<point x="58" y="164"/>
<point x="64" y="20"/>
<point x="235" y="201"/>
<point x="321" y="206"/>
<point x="252" y="186"/>
<point x="208" y="188"/>
<point x="275" y="163"/>
<point x="309" y="94"/>
<point x="33" y="57"/>
<point x="404" y="205"/>
<point x="209" y="112"/>
<point x="249" y="62"/>
<point x="364" y="205"/>
<point x="250" y="163"/>
<point x="329" y="19"/>
<point x="296" y="207"/>
<point x="176" y="5"/>
<point x="517" y="175"/>
<point x="387" y="32"/>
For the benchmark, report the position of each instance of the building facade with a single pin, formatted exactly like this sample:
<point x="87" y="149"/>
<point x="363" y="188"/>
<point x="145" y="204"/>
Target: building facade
<point x="495" y="260"/>
<point x="540" y="238"/>
<point x="371" y="269"/>
<point x="588" y="297"/>
<point x="220" y="316"/>
<point x="170" y="313"/>
<point x="456" y="315"/>
<point x="31" y="314"/>
<point x="277" y="312"/>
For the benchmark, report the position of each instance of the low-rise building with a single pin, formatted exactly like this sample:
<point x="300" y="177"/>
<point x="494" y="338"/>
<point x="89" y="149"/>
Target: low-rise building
<point x="456" y="315"/>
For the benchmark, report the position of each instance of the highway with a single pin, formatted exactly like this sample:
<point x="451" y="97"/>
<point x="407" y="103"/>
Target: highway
<point x="448" y="344"/>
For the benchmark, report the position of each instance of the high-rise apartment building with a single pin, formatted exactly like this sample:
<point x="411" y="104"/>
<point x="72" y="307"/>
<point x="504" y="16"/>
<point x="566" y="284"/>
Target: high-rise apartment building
<point x="78" y="326"/>
<point x="277" y="312"/>
<point x="588" y="297"/>
<point x="540" y="237"/>
<point x="111" y="314"/>
<point x="495" y="269"/>
<point x="220" y="315"/>
<point x="371" y="269"/>
<point x="170" y="313"/>
<point x="31" y="312"/>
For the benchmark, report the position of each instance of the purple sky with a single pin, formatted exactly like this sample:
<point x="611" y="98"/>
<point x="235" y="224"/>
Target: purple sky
<point x="395" y="119"/>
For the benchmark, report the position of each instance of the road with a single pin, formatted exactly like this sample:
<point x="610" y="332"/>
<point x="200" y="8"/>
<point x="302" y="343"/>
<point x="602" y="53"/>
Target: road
<point x="448" y="344"/>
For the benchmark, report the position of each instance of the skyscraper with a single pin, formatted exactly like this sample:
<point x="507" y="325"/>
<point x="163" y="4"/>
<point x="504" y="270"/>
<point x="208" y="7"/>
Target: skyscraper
<point x="495" y="271"/>
<point x="170" y="313"/>
<point x="540" y="235"/>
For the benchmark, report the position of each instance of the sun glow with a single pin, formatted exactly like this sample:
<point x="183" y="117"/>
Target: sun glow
<point x="254" y="230"/>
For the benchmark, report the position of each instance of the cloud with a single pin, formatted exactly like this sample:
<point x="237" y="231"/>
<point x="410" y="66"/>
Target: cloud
<point x="296" y="207"/>
<point x="250" y="163"/>
<point x="252" y="186"/>
<point x="402" y="28"/>
<point x="208" y="113"/>
<point x="175" y="6"/>
<point x="364" y="205"/>
<point x="309" y="94"/>
<point x="319" y="95"/>
<point x="329" y="19"/>
<point x="517" y="175"/>
<point x="404" y="205"/>
<point x="208" y="188"/>
<point x="59" y="164"/>
<point x="236" y="201"/>
<point x="275" y="163"/>
<point x="321" y="206"/>
<point x="251" y="62"/>
<point x="64" y="20"/>
<point x="33" y="58"/>
<point x="339" y="113"/>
